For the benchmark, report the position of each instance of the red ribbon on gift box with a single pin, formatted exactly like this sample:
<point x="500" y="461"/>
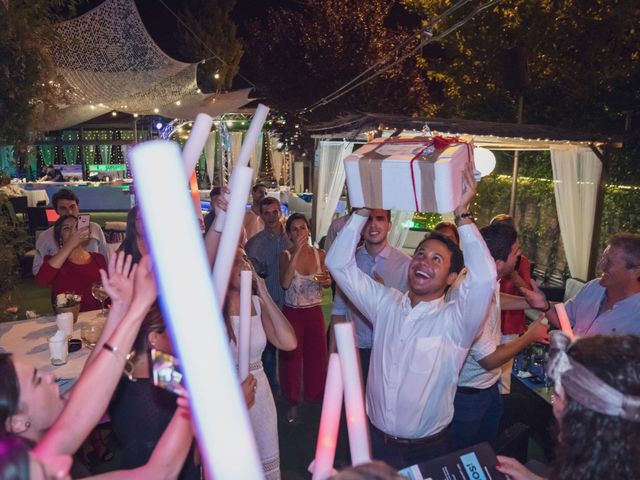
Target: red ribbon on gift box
<point x="437" y="142"/>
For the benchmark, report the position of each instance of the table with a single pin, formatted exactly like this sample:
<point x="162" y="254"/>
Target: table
<point x="93" y="198"/>
<point x="28" y="340"/>
<point x="35" y="196"/>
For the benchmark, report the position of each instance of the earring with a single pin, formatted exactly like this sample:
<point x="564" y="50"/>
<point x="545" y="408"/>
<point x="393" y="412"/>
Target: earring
<point x="27" y="425"/>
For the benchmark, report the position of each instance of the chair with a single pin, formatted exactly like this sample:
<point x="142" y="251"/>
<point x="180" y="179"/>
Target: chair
<point x="20" y="205"/>
<point x="37" y="219"/>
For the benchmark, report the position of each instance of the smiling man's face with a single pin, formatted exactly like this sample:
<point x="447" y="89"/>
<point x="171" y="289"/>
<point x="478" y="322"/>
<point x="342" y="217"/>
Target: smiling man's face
<point x="429" y="268"/>
<point x="377" y="227"/>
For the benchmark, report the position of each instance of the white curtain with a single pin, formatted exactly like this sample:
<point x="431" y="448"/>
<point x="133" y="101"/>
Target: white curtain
<point x="331" y="177"/>
<point x="576" y="174"/>
<point x="210" y="156"/>
<point x="255" y="161"/>
<point x="236" y="146"/>
<point x="401" y="223"/>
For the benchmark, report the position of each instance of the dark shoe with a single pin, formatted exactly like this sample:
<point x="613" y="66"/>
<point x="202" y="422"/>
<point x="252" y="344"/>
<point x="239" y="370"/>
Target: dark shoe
<point x="292" y="414"/>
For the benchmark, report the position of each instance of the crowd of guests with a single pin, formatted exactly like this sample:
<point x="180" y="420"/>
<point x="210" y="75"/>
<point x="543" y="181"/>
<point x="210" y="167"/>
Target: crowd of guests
<point x="436" y="332"/>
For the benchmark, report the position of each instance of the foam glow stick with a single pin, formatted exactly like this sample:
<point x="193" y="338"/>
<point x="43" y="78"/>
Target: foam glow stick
<point x="194" y="317"/>
<point x="195" y="198"/>
<point x="329" y="421"/>
<point x="195" y="143"/>
<point x="565" y="325"/>
<point x="252" y="135"/>
<point x="244" y="330"/>
<point x="241" y="181"/>
<point x="353" y="398"/>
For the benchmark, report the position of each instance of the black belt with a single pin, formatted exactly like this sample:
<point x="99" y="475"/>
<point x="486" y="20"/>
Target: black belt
<point x="410" y="441"/>
<point x="472" y="391"/>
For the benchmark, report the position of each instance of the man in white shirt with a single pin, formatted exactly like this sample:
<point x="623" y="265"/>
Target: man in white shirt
<point x="65" y="202"/>
<point x="419" y="341"/>
<point x="252" y="222"/>
<point x="382" y="262"/>
<point x="478" y="402"/>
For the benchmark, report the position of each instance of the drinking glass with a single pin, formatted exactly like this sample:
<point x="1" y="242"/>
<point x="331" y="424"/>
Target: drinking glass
<point x="90" y="334"/>
<point x="100" y="294"/>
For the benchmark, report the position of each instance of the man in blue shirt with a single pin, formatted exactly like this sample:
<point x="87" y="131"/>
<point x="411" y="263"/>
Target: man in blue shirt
<point x="609" y="305"/>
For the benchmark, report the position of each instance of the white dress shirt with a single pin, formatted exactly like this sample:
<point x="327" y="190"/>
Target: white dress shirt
<point x="417" y="351"/>
<point x="472" y="373"/>
<point x="392" y="265"/>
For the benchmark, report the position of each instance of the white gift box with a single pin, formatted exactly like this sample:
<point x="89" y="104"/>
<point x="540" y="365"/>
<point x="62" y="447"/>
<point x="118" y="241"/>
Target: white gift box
<point x="408" y="174"/>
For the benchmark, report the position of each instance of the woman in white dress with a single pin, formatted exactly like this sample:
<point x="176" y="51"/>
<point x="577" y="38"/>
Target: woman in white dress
<point x="267" y="323"/>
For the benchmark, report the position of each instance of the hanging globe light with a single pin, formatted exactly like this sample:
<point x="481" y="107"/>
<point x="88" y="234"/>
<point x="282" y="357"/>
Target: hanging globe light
<point x="485" y="160"/>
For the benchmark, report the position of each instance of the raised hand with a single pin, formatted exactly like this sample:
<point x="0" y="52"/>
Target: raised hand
<point x="469" y="187"/>
<point x="145" y="292"/>
<point x="78" y="237"/>
<point x="535" y="297"/>
<point x="119" y="281"/>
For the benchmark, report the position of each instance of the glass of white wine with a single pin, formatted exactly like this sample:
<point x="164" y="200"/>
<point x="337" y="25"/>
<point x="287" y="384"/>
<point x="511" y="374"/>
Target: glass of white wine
<point x="100" y="294"/>
<point x="90" y="334"/>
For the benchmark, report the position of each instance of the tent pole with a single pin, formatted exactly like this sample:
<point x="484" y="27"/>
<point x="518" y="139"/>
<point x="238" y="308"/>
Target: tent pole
<point x="516" y="164"/>
<point x="594" y="254"/>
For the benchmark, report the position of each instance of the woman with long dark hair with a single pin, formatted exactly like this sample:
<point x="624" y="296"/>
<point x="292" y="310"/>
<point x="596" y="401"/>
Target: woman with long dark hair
<point x="597" y="405"/>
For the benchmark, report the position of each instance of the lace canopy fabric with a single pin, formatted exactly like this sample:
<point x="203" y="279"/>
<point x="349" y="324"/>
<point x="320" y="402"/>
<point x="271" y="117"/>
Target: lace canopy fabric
<point x="108" y="61"/>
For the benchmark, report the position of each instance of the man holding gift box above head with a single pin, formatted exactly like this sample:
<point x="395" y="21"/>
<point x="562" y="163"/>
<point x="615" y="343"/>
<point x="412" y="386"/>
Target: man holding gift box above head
<point x="419" y="340"/>
<point x="382" y="262"/>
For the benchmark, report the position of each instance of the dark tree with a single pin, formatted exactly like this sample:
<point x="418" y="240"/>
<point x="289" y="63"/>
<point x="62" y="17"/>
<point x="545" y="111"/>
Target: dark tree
<point x="299" y="54"/>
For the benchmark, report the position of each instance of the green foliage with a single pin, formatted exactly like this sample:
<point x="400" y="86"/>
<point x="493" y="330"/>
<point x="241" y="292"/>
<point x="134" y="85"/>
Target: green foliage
<point x="27" y="74"/>
<point x="303" y="53"/>
<point x="210" y="21"/>
<point x="14" y="242"/>
<point x="576" y="62"/>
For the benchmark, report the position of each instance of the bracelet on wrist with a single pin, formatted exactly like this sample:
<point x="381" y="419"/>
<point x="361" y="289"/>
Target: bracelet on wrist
<point x="462" y="216"/>
<point x="116" y="351"/>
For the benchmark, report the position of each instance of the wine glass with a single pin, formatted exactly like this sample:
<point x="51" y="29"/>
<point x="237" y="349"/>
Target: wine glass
<point x="100" y="294"/>
<point x="90" y="334"/>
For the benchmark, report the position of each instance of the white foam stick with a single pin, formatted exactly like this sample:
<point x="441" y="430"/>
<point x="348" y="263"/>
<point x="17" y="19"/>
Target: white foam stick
<point x="251" y="137"/>
<point x="248" y="146"/>
<point x="329" y="421"/>
<point x="194" y="316"/>
<point x="195" y="143"/>
<point x="244" y="331"/>
<point x="565" y="325"/>
<point x="353" y="397"/>
<point x="242" y="177"/>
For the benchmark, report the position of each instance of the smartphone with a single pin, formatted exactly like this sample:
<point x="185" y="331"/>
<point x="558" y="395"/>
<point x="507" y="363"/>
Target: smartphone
<point x="165" y="371"/>
<point x="84" y="219"/>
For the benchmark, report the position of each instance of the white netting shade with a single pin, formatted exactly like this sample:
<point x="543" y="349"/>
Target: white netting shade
<point x="108" y="61"/>
<point x="107" y="53"/>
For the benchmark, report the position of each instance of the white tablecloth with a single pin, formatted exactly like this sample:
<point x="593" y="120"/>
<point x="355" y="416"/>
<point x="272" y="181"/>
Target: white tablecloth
<point x="28" y="340"/>
<point x="35" y="196"/>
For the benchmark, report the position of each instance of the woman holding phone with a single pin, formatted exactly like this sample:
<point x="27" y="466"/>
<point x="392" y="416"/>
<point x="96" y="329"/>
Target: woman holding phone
<point x="73" y="269"/>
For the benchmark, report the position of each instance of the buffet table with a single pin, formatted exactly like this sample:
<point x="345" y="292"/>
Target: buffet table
<point x="93" y="197"/>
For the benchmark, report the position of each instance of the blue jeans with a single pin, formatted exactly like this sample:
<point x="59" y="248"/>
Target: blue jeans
<point x="476" y="417"/>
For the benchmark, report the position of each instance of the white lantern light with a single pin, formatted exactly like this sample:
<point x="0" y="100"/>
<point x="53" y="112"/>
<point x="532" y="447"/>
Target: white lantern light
<point x="485" y="160"/>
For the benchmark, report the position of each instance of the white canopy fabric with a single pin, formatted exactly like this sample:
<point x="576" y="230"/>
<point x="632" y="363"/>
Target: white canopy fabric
<point x="576" y="175"/>
<point x="331" y="177"/>
<point x="108" y="61"/>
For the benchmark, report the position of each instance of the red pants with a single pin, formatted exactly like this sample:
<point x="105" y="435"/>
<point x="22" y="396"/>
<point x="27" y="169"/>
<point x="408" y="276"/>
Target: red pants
<point x="308" y="323"/>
